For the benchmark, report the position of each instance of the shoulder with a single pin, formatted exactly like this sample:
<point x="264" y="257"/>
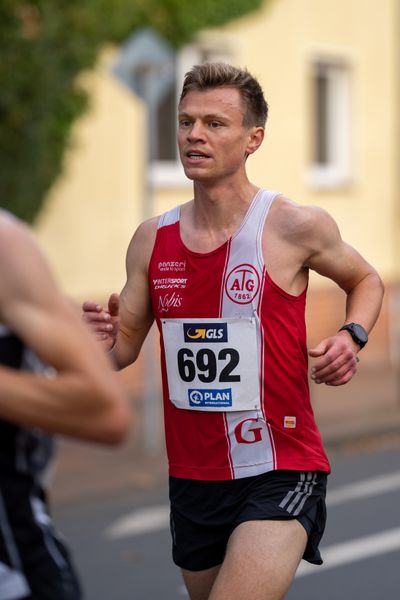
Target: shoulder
<point x="11" y="228"/>
<point x="16" y="237"/>
<point x="7" y="217"/>
<point x="144" y="236"/>
<point x="291" y="216"/>
<point x="16" y="241"/>
<point x="26" y="278"/>
<point x="147" y="228"/>
<point x="141" y="245"/>
<point x="302" y="224"/>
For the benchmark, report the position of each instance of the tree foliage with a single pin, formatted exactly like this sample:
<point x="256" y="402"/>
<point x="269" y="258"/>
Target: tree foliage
<point x="44" y="45"/>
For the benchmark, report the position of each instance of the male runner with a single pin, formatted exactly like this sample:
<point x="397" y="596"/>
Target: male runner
<point x="225" y="277"/>
<point x="76" y="394"/>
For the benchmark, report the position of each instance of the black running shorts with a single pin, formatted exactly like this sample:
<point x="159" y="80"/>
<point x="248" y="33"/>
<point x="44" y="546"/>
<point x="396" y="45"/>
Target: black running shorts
<point x="204" y="513"/>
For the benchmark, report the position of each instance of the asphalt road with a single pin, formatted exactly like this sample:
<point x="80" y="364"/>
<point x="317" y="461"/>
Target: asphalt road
<point x="122" y="546"/>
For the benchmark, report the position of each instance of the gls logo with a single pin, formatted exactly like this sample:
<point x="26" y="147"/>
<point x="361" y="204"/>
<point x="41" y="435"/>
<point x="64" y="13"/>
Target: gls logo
<point x="205" y="332"/>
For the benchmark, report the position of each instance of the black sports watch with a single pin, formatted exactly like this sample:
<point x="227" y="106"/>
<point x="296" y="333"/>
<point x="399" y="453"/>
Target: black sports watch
<point x="357" y="332"/>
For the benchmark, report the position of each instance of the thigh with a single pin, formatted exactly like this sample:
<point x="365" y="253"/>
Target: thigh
<point x="260" y="561"/>
<point x="199" y="583"/>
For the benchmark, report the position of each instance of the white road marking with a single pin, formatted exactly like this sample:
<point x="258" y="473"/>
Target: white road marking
<point x="139" y="521"/>
<point x="364" y="489"/>
<point x="353" y="551"/>
<point x="182" y="591"/>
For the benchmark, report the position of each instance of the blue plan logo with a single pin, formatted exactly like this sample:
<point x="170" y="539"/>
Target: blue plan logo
<point x="210" y="398"/>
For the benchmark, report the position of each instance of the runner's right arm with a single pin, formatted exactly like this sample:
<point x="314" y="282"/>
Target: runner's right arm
<point x="83" y="398"/>
<point x="123" y="326"/>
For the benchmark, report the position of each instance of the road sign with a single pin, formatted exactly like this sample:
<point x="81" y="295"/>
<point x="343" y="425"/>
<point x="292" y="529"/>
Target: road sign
<point x="146" y="65"/>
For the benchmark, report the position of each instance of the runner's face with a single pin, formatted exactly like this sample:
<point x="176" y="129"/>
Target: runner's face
<point x="213" y="142"/>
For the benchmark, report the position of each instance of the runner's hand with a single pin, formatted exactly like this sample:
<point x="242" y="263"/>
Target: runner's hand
<point x="104" y="323"/>
<point x="336" y="360"/>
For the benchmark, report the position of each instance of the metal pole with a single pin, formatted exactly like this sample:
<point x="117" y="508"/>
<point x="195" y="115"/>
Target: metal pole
<point x="152" y="426"/>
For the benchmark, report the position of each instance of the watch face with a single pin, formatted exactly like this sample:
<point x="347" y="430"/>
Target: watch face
<point x="357" y="332"/>
<point x="360" y="333"/>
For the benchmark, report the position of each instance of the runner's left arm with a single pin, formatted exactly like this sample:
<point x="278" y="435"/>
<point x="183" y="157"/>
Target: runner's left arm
<point x="331" y="257"/>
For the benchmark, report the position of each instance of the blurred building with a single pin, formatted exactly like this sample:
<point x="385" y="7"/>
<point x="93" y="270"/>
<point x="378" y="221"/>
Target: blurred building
<point x="331" y="73"/>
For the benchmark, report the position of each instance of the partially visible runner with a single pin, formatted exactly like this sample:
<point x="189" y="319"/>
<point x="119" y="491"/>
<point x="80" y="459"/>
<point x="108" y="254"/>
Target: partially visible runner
<point x="225" y="277"/>
<point x="53" y="378"/>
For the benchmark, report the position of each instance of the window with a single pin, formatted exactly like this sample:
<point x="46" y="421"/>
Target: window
<point x="166" y="168"/>
<point x="148" y="67"/>
<point x="330" y="124"/>
<point x="166" y="149"/>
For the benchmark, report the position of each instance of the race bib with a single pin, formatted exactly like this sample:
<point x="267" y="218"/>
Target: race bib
<point x="212" y="364"/>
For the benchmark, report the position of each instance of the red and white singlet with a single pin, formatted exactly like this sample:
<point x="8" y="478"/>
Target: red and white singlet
<point x="234" y="357"/>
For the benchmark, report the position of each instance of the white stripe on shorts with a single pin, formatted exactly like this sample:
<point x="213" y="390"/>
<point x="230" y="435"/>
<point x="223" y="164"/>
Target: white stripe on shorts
<point x="299" y="495"/>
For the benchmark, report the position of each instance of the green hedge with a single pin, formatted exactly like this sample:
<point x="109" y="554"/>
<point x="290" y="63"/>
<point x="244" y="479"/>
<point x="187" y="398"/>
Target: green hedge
<point x="44" y="45"/>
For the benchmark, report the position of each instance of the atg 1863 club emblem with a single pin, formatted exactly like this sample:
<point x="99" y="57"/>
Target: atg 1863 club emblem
<point x="242" y="284"/>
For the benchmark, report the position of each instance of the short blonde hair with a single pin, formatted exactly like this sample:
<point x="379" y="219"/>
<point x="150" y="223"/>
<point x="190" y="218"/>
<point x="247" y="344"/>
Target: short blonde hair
<point x="213" y="75"/>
